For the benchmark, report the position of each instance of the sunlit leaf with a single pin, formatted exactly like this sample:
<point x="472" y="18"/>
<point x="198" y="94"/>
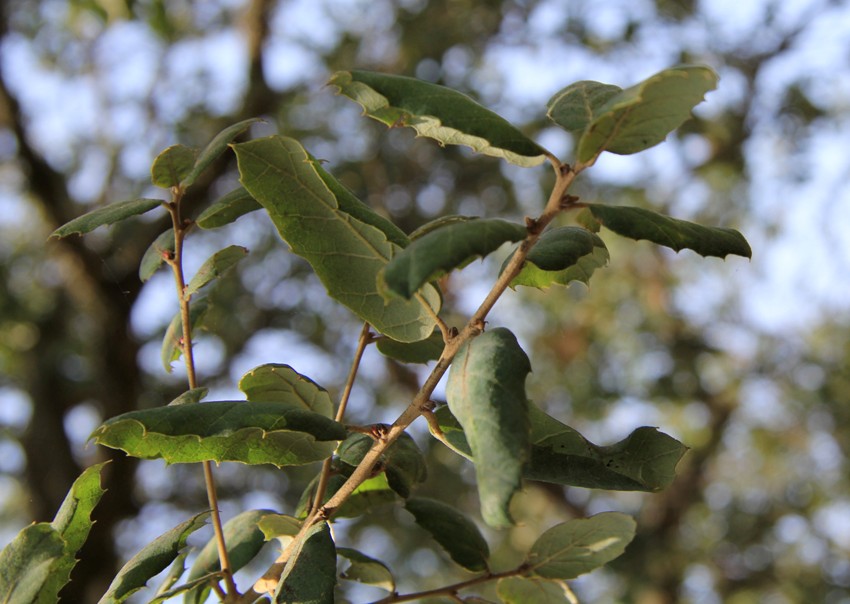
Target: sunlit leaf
<point x="486" y="392"/>
<point x="215" y="148"/>
<point x="445" y="249"/>
<point x="155" y="557"/>
<point x="110" y="214"/>
<point x="345" y="242"/>
<point x="309" y="575"/>
<point x="366" y="570"/>
<point x="523" y="590"/>
<point x="215" y="266"/>
<point x="576" y="547"/>
<point x="155" y="255"/>
<point x="456" y="533"/>
<point x="423" y="351"/>
<point x="437" y="112"/>
<point x="279" y="526"/>
<point x="27" y="562"/>
<point x="250" y="433"/>
<point x="228" y="208"/>
<point x="637" y="223"/>
<point x="282" y="384"/>
<point x="173" y="165"/>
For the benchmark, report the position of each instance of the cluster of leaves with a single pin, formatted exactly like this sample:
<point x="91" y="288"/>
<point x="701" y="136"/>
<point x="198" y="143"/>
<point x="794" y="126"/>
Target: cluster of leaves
<point x="388" y="279"/>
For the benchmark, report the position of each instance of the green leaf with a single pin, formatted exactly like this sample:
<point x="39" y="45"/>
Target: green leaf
<point x="195" y="395"/>
<point x="403" y="462"/>
<point x="576" y="547"/>
<point x="642" y="116"/>
<point x="215" y="148"/>
<point x="171" y="342"/>
<point x="522" y="590"/>
<point x="110" y="214"/>
<point x="250" y="433"/>
<point x="438" y="223"/>
<point x="369" y="495"/>
<point x="309" y="576"/>
<point x="486" y="393"/>
<point x="282" y="384"/>
<point x="278" y="525"/>
<point x="244" y="540"/>
<point x="178" y="567"/>
<point x="345" y="242"/>
<point x="215" y="266"/>
<point x="366" y="570"/>
<point x="155" y="557"/>
<point x="456" y="533"/>
<point x="637" y="223"/>
<point x="27" y="562"/>
<point x="447" y="116"/>
<point x="445" y="249"/>
<point x="154" y="257"/>
<point x="423" y="351"/>
<point x="576" y="106"/>
<point x="228" y="208"/>
<point x="173" y="165"/>
<point x="562" y="248"/>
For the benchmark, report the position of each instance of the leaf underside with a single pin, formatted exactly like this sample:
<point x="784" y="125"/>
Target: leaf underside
<point x="562" y="255"/>
<point x="440" y="113"/>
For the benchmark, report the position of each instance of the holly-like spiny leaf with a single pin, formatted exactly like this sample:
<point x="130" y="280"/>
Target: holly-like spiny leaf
<point x="440" y="113"/>
<point x="247" y="432"/>
<point x="486" y="392"/>
<point x="345" y="242"/>
<point x="110" y="214"/>
<point x="282" y="384"/>
<point x="445" y="249"/>
<point x="456" y="533"/>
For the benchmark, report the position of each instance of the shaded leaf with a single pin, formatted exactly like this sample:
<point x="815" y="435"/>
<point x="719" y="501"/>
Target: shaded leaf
<point x="576" y="547"/>
<point x="172" y="342"/>
<point x="215" y="148"/>
<point x="244" y="540"/>
<point x="637" y="223"/>
<point x="195" y="395"/>
<point x="366" y="570"/>
<point x="27" y="562"/>
<point x="456" y="533"/>
<point x="309" y="575"/>
<point x="438" y="223"/>
<point x="423" y="351"/>
<point x="403" y="462"/>
<point x="640" y="117"/>
<point x="227" y="209"/>
<point x="558" y="246"/>
<point x="486" y="393"/>
<point x="445" y="249"/>
<point x="155" y="557"/>
<point x="576" y="106"/>
<point x="345" y="242"/>
<point x="154" y="257"/>
<point x="173" y="165"/>
<point x="110" y="214"/>
<point x="370" y="494"/>
<point x="215" y="266"/>
<point x="178" y="567"/>
<point x="250" y="433"/>
<point x="282" y="384"/>
<point x="522" y="590"/>
<point x="437" y="112"/>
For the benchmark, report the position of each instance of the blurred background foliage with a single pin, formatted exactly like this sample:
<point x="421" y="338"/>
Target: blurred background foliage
<point x="745" y="362"/>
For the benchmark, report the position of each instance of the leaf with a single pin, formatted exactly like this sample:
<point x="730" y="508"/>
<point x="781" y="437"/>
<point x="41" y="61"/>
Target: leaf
<point x="637" y="223"/>
<point x="403" y="462"/>
<point x="522" y="590"/>
<point x="331" y="231"/>
<point x="227" y="209"/>
<point x="155" y="557"/>
<point x="559" y="248"/>
<point x="27" y="562"/>
<point x="447" y="116"/>
<point x="178" y="567"/>
<point x="215" y="148"/>
<point x="278" y="525"/>
<point x="309" y="575"/>
<point x="576" y="547"/>
<point x="642" y="116"/>
<point x="244" y="540"/>
<point x="282" y="384"/>
<point x="195" y="395"/>
<point x="486" y="393"/>
<point x="438" y="223"/>
<point x="370" y="494"/>
<point x="576" y="106"/>
<point x="155" y="255"/>
<point x="110" y="214"/>
<point x="250" y="433"/>
<point x="445" y="249"/>
<point x="173" y="165"/>
<point x="366" y="570"/>
<point x="423" y="351"/>
<point x="172" y="341"/>
<point x="215" y="266"/>
<point x="456" y="533"/>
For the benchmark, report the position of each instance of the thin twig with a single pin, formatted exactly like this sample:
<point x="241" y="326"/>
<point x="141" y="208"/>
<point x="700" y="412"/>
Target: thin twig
<point x="449" y="590"/>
